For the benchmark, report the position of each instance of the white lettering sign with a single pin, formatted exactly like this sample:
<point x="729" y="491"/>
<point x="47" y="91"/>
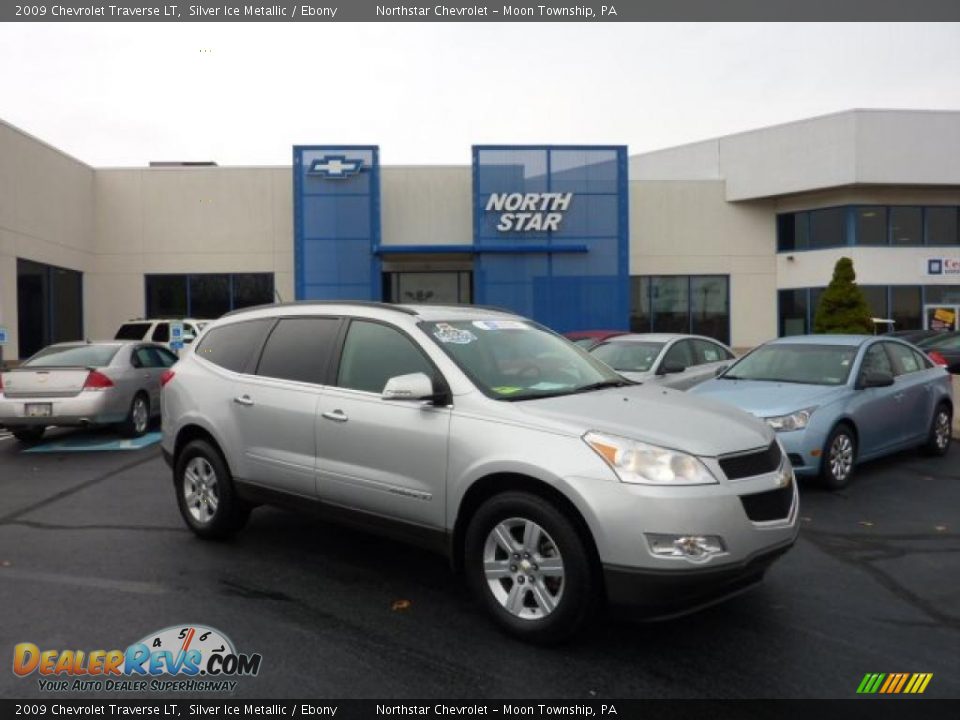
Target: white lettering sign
<point x="529" y="212"/>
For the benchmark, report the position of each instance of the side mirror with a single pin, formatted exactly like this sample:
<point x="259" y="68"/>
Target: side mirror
<point x="670" y="367"/>
<point x="720" y="370"/>
<point x="415" y="386"/>
<point x="876" y="378"/>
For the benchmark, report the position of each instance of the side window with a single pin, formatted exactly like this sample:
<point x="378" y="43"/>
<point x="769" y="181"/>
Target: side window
<point x="374" y="353"/>
<point x="905" y="360"/>
<point x="162" y="357"/>
<point x="132" y="331"/>
<point x="680" y="353"/>
<point x="161" y="333"/>
<point x="875" y="359"/>
<point x="142" y="358"/>
<point x="709" y="352"/>
<point x="299" y="349"/>
<point x="231" y="346"/>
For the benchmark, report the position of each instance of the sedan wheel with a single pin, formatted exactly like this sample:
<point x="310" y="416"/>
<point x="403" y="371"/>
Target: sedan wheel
<point x="839" y="458"/>
<point x="138" y="419"/>
<point x="941" y="430"/>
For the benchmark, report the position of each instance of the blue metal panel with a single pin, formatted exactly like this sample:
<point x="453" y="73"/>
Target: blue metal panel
<point x="574" y="277"/>
<point x="336" y="201"/>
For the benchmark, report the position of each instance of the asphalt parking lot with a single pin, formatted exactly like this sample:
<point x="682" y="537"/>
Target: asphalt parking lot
<point x="93" y="555"/>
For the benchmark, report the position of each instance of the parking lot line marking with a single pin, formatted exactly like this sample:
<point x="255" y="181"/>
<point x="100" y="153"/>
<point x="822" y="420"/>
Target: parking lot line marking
<point x="95" y="443"/>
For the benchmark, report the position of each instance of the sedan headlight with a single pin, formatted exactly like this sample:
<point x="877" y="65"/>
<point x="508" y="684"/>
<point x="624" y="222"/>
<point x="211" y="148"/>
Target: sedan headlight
<point x="637" y="462"/>
<point x="794" y="421"/>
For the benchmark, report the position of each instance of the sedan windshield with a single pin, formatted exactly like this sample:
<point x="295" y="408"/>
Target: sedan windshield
<point x="517" y="360"/>
<point x="73" y="356"/>
<point x="628" y="356"/>
<point x="808" y="364"/>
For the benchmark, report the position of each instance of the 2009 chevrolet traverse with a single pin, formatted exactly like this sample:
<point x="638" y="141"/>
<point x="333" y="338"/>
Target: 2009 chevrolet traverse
<point x="551" y="481"/>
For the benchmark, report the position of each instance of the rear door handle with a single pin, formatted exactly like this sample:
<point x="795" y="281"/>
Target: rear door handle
<point x="244" y="400"/>
<point x="336" y="416"/>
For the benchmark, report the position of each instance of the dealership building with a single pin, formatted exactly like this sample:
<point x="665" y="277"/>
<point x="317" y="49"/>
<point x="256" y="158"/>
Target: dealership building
<point x="733" y="237"/>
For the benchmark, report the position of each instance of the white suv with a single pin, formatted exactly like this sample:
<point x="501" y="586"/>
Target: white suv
<point x="158" y="331"/>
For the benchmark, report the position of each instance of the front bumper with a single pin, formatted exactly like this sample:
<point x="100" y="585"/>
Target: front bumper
<point x="799" y="444"/>
<point x="88" y="407"/>
<point x="668" y="593"/>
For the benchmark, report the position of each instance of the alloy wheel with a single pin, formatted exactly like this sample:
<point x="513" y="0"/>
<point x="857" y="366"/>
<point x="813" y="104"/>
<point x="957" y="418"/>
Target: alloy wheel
<point x="141" y="415"/>
<point x="942" y="429"/>
<point x="841" y="456"/>
<point x="200" y="492"/>
<point x="523" y="568"/>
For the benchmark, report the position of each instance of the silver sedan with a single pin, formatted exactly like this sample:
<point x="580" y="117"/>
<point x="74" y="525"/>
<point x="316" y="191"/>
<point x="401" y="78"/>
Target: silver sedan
<point x="672" y="360"/>
<point x="84" y="383"/>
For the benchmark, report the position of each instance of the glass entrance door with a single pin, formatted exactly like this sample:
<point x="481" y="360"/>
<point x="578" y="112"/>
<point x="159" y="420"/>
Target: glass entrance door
<point x="439" y="288"/>
<point x="941" y="317"/>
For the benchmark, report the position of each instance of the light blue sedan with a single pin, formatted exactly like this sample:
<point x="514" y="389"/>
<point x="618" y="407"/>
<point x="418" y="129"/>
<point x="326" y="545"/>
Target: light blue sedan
<point x="837" y="400"/>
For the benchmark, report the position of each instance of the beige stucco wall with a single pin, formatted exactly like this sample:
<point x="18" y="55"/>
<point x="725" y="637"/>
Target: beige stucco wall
<point x="46" y="214"/>
<point x="688" y="228"/>
<point x="185" y="220"/>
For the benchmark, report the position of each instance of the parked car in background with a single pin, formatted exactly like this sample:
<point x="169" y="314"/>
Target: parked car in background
<point x="158" y="331"/>
<point x="677" y="361"/>
<point x="84" y="383"/>
<point x="837" y="400"/>
<point x="944" y="349"/>
<point x="553" y="482"/>
<point x="913" y="336"/>
<point x="588" y="338"/>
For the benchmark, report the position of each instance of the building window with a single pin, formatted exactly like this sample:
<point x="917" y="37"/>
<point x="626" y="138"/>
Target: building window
<point x="443" y="288"/>
<point x="793" y="312"/>
<point x="870" y="225"/>
<point x="906" y="226"/>
<point x="698" y="304"/>
<point x="876" y="296"/>
<point x="942" y="226"/>
<point x="207" y="295"/>
<point x="49" y="306"/>
<point x="906" y="307"/>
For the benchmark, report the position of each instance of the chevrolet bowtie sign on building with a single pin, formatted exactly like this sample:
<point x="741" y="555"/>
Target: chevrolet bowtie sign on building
<point x="335" y="166"/>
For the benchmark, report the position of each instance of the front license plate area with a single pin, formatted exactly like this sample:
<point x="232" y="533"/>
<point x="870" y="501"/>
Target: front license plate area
<point x="33" y="410"/>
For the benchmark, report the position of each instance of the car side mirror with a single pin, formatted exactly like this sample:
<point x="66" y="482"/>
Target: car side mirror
<point x="720" y="370"/>
<point x="670" y="367"/>
<point x="415" y="386"/>
<point x="876" y="378"/>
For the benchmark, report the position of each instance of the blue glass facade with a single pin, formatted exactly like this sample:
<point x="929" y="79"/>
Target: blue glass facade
<point x="336" y="206"/>
<point x="568" y="271"/>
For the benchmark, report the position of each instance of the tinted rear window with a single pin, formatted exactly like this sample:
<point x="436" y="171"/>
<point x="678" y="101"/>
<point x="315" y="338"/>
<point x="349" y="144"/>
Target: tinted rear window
<point x="232" y="346"/>
<point x="132" y="331"/>
<point x="74" y="356"/>
<point x="299" y="349"/>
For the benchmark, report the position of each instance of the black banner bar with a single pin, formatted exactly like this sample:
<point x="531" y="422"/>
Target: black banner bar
<point x="478" y="11"/>
<point x="873" y="708"/>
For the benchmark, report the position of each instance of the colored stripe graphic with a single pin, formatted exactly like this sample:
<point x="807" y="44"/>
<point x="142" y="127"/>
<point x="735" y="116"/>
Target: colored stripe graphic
<point x="894" y="683"/>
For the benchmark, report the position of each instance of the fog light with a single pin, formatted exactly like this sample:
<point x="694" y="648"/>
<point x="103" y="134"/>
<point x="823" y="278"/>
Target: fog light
<point x="697" y="548"/>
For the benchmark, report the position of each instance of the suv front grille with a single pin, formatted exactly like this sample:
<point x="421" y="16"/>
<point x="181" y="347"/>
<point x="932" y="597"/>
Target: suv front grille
<point x="750" y="464"/>
<point x="769" y="505"/>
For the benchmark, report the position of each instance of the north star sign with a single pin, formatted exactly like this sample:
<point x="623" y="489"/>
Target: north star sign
<point x="529" y="212"/>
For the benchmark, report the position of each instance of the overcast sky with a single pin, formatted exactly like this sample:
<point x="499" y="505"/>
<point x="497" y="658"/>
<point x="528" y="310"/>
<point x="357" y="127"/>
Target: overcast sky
<point x="243" y="94"/>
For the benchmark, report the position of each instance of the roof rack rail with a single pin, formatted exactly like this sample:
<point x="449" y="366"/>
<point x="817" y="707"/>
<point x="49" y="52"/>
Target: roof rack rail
<point x="302" y="303"/>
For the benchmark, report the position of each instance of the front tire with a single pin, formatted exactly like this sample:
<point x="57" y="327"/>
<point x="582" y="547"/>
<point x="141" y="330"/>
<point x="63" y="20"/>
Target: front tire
<point x="528" y="565"/>
<point x="138" y="417"/>
<point x="941" y="428"/>
<point x="839" y="457"/>
<point x="28" y="435"/>
<point x="205" y="494"/>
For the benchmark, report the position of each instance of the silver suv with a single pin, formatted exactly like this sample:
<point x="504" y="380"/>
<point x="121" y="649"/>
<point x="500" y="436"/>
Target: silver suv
<point x="549" y="480"/>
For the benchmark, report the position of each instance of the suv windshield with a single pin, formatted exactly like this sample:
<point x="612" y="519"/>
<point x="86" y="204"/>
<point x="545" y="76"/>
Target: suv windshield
<point x="807" y="364"/>
<point x="517" y="360"/>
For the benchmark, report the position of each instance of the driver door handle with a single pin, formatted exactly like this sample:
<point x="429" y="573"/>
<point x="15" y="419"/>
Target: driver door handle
<point x="244" y="400"/>
<point x="336" y="416"/>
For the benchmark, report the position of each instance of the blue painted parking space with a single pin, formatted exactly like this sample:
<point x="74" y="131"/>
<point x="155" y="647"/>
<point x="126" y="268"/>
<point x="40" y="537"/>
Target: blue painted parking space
<point x="94" y="442"/>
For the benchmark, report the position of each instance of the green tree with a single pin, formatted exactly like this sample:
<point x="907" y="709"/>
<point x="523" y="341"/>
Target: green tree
<point x="843" y="307"/>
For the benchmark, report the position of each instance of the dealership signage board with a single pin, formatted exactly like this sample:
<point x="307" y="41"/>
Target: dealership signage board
<point x="528" y="212"/>
<point x="942" y="266"/>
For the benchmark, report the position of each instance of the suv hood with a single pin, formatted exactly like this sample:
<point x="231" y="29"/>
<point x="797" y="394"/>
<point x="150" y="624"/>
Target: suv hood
<point x="765" y="398"/>
<point x="656" y="415"/>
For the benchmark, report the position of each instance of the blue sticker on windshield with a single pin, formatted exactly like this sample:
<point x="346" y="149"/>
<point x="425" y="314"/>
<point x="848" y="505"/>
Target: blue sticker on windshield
<point x="448" y="334"/>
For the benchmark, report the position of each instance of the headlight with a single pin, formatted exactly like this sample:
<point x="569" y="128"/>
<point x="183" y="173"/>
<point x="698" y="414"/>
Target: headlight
<point x="794" y="421"/>
<point x="637" y="462"/>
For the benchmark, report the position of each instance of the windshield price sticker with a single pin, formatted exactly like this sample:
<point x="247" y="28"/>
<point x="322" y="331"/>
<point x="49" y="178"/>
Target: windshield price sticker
<point x="500" y="325"/>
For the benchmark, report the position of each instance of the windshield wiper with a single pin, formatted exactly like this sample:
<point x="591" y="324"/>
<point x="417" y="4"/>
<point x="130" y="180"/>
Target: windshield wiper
<point x="601" y="385"/>
<point x="586" y="388"/>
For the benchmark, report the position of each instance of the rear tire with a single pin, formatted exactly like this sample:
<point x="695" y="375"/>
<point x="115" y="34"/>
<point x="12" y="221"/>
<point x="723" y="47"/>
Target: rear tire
<point x="542" y="588"/>
<point x="205" y="494"/>
<point x="28" y="435"/>
<point x="941" y="429"/>
<point x="839" y="457"/>
<point x="138" y="417"/>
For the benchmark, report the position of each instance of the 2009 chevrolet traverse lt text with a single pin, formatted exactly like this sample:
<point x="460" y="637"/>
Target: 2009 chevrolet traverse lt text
<point x="552" y="482"/>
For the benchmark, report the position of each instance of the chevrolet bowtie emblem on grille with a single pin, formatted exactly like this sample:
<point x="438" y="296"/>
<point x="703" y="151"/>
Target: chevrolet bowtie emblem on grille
<point x="335" y="166"/>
